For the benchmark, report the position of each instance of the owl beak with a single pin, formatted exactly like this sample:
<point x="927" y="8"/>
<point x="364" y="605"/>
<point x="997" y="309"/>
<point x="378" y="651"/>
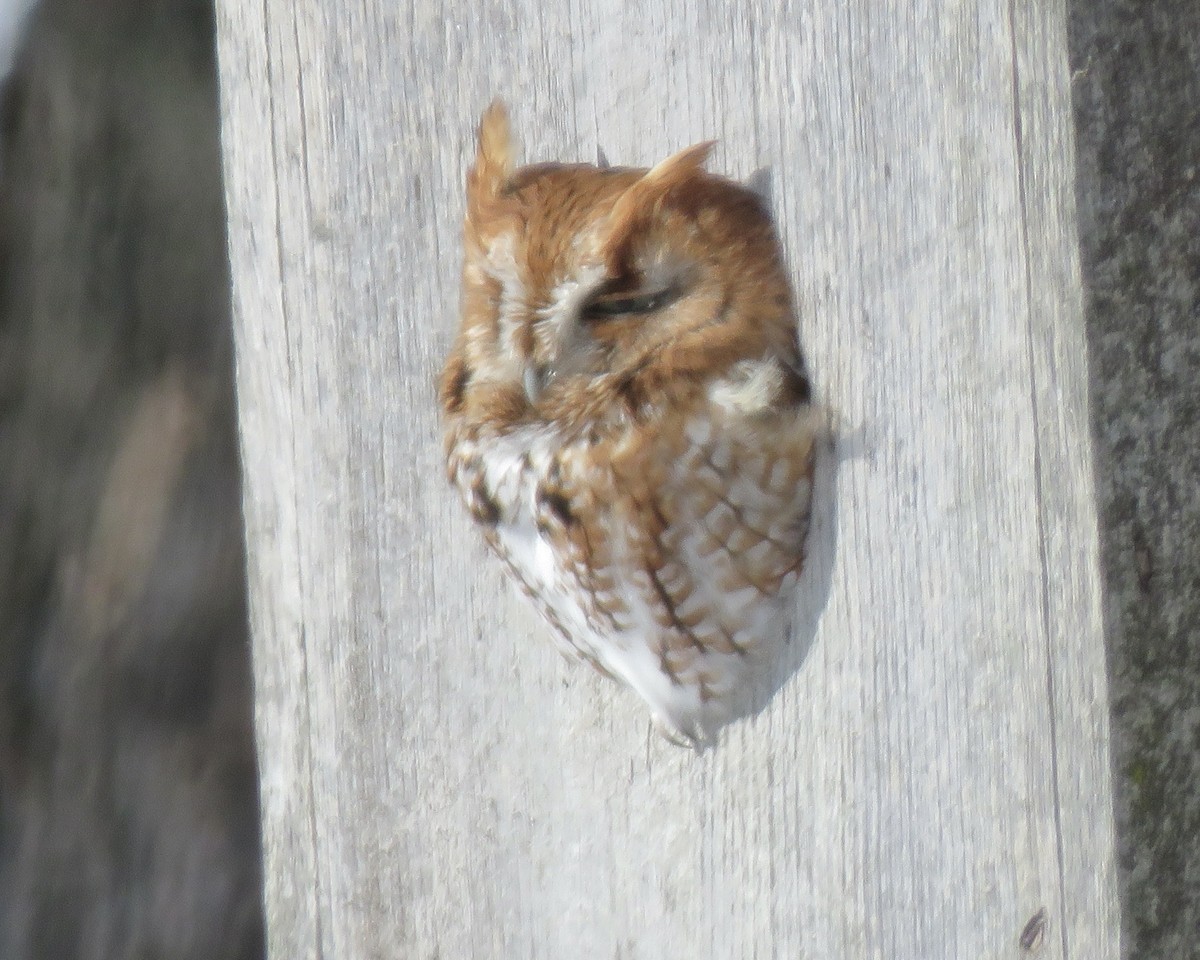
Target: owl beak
<point x="535" y="382"/>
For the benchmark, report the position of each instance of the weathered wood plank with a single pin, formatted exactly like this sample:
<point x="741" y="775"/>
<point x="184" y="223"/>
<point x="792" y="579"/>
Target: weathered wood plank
<point x="435" y="781"/>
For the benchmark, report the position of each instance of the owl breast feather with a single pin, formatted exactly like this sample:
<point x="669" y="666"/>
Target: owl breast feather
<point x="664" y="554"/>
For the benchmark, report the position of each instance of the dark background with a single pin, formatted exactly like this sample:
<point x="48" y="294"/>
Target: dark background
<point x="128" y="820"/>
<point x="1137" y="126"/>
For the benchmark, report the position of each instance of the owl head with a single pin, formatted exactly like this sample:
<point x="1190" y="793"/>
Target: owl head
<point x="591" y="292"/>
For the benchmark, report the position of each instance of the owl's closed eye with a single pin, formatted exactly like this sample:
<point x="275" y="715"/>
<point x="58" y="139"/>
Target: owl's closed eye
<point x="628" y="417"/>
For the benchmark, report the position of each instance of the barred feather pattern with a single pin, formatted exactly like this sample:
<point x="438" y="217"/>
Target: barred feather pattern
<point x="628" y="419"/>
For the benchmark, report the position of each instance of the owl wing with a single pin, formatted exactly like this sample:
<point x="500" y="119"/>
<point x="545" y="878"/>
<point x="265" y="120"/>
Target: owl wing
<point x="716" y="527"/>
<point x="663" y="554"/>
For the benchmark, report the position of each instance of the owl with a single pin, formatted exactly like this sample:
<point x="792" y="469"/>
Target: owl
<point x="628" y="418"/>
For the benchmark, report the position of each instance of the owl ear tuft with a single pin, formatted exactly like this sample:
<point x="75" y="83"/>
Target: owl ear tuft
<point x="641" y="203"/>
<point x="679" y="166"/>
<point x="494" y="158"/>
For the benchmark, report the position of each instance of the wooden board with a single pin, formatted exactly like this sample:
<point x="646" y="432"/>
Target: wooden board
<point x="436" y="781"/>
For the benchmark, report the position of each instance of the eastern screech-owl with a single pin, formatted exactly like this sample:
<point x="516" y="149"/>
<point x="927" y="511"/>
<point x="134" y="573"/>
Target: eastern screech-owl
<point x="628" y="417"/>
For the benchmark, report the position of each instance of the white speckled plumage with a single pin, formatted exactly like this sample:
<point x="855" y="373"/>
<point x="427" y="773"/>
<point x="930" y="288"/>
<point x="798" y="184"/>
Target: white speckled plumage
<point x="628" y="418"/>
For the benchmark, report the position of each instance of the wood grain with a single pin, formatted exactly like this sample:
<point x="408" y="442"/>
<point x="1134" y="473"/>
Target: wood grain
<point x="435" y="781"/>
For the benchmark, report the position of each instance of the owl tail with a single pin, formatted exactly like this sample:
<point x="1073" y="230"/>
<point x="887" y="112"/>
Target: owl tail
<point x="494" y="159"/>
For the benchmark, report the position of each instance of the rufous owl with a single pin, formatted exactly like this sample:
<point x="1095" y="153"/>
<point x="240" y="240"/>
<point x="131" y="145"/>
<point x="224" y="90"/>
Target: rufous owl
<point x="628" y="417"/>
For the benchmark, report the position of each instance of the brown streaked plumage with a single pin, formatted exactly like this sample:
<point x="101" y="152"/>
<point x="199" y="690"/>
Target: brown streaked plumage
<point x="627" y="417"/>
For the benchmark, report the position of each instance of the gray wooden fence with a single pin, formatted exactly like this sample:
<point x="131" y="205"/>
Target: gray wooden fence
<point x="436" y="782"/>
